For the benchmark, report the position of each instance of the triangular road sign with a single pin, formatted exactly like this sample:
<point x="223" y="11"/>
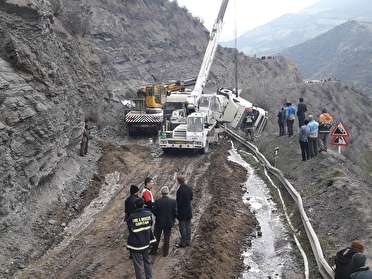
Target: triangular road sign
<point x="340" y="130"/>
<point x="339" y="140"/>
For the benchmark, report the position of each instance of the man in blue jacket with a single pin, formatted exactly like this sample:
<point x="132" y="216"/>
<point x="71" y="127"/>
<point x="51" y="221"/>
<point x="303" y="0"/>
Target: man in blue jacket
<point x="139" y="239"/>
<point x="291" y="116"/>
<point x="313" y="136"/>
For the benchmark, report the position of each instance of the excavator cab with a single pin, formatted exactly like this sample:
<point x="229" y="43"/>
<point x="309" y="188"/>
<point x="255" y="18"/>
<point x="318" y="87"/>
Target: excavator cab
<point x="155" y="96"/>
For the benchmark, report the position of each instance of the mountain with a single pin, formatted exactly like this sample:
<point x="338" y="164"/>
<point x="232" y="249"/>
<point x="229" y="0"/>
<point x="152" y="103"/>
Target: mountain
<point x="64" y="62"/>
<point x="344" y="53"/>
<point x="292" y="29"/>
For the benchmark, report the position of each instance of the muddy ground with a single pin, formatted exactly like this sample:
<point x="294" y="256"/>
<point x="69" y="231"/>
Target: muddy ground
<point x="93" y="244"/>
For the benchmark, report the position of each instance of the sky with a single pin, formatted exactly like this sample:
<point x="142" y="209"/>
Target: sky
<point x="250" y="13"/>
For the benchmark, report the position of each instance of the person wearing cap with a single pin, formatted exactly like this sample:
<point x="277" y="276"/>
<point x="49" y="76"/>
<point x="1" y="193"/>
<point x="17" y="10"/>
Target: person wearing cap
<point x="344" y="259"/>
<point x="359" y="268"/>
<point x="184" y="211"/>
<point x="130" y="201"/>
<point x="139" y="240"/>
<point x="313" y="136"/>
<point x="147" y="195"/>
<point x="165" y="211"/>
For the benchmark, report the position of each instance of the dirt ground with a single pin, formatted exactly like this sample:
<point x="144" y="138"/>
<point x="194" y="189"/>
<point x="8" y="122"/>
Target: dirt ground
<point x="93" y="245"/>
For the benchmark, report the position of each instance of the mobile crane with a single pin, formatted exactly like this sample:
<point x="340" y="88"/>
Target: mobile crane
<point x="200" y="128"/>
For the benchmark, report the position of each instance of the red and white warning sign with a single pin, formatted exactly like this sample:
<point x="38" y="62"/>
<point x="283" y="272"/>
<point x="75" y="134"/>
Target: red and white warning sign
<point x="339" y="140"/>
<point x="340" y="130"/>
<point x="340" y="136"/>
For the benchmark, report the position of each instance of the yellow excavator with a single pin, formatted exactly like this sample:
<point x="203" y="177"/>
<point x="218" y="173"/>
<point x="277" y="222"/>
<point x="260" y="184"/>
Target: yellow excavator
<point x="147" y="115"/>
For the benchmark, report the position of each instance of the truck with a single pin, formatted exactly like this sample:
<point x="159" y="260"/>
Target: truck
<point x="198" y="123"/>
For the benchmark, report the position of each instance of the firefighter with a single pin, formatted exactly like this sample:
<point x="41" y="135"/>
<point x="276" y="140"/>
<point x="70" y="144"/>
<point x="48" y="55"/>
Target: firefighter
<point x="139" y="239"/>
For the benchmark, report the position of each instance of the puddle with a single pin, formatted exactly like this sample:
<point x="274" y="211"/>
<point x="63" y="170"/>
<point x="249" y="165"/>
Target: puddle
<point x="272" y="254"/>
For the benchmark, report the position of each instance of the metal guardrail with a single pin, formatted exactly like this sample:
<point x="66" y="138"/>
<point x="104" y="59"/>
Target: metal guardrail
<point x="324" y="268"/>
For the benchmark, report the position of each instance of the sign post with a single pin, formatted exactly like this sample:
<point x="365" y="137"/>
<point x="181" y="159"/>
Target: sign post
<point x="340" y="136"/>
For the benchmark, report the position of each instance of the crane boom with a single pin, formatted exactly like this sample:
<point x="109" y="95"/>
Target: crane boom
<point x="209" y="55"/>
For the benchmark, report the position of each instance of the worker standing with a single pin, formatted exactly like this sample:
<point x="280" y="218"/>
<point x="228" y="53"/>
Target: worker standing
<point x="147" y="193"/>
<point x="304" y="141"/>
<point x="130" y="201"/>
<point x="325" y="125"/>
<point x="291" y="115"/>
<point x="281" y="122"/>
<point x="313" y="136"/>
<point x="84" y="140"/>
<point x="184" y="211"/>
<point x="165" y="211"/>
<point x="139" y="239"/>
<point x="301" y="109"/>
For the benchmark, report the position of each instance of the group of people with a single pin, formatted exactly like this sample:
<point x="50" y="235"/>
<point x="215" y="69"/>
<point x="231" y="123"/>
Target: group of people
<point x="139" y="210"/>
<point x="313" y="135"/>
<point x="351" y="262"/>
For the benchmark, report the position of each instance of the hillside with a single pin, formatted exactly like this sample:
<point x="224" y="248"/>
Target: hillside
<point x="292" y="29"/>
<point x="343" y="53"/>
<point x="64" y="62"/>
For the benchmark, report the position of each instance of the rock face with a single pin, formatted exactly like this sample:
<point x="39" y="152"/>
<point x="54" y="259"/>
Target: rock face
<point x="63" y="62"/>
<point x="343" y="53"/>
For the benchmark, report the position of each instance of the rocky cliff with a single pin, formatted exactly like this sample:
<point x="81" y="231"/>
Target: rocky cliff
<point x="64" y="62"/>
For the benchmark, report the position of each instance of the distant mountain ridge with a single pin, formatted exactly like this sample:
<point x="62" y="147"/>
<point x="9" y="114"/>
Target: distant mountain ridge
<point x="292" y="29"/>
<point x="345" y="53"/>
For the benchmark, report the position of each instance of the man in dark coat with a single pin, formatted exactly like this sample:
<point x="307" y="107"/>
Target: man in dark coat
<point x="344" y="259"/>
<point x="139" y="239"/>
<point x="84" y="140"/>
<point x="184" y="211"/>
<point x="130" y="206"/>
<point x="359" y="268"/>
<point x="281" y="122"/>
<point x="301" y="109"/>
<point x="165" y="211"/>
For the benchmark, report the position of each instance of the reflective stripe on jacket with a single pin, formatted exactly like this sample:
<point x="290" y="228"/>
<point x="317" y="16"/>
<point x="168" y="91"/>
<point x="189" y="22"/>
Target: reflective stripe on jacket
<point x="140" y="234"/>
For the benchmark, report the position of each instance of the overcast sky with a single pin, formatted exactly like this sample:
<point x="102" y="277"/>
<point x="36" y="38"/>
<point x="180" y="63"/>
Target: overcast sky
<point x="250" y="13"/>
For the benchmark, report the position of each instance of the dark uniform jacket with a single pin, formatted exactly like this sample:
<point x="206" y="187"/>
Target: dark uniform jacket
<point x="184" y="198"/>
<point x="140" y="234"/>
<point x="165" y="211"/>
<point x="343" y="263"/>
<point x="129" y="206"/>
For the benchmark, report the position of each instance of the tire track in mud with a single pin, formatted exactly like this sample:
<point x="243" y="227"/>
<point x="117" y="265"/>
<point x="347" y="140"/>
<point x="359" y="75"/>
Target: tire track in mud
<point x="220" y="219"/>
